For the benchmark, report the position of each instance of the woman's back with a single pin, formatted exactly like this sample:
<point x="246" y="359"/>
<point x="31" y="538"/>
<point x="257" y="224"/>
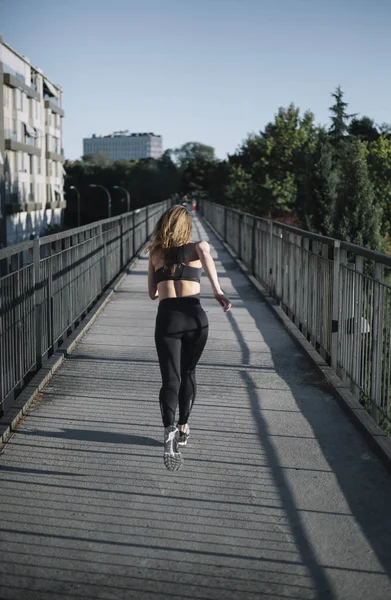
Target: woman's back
<point x="180" y="276"/>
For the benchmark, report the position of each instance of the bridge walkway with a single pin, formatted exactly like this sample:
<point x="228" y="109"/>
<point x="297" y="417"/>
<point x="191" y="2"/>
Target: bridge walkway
<point x="279" y="496"/>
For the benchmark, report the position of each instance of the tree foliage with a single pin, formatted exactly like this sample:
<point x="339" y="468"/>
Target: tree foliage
<point x="357" y="216"/>
<point x="364" y="129"/>
<point x="334" y="181"/>
<point x="339" y="117"/>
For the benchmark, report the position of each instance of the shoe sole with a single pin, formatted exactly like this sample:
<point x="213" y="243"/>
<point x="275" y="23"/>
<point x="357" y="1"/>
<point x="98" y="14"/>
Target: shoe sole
<point x="182" y="443"/>
<point x="173" y="462"/>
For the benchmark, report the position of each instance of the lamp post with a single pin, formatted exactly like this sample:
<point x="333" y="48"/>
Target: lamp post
<point x="95" y="185"/>
<point x="118" y="187"/>
<point x="72" y="187"/>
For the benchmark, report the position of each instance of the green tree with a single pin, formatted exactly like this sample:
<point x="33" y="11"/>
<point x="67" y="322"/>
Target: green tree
<point x="274" y="161"/>
<point x="193" y="151"/>
<point x="195" y="162"/>
<point x="357" y="215"/>
<point x="147" y="181"/>
<point x="318" y="194"/>
<point x="99" y="158"/>
<point x="364" y="128"/>
<point x="379" y="164"/>
<point x="217" y="180"/>
<point x="339" y="117"/>
<point x="241" y="192"/>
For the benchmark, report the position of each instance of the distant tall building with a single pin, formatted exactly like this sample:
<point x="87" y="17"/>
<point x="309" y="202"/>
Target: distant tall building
<point x="31" y="154"/>
<point x="122" y="145"/>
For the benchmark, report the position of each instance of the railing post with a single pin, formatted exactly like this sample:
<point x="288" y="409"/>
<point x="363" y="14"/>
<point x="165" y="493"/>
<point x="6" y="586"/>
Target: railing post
<point x="103" y="263"/>
<point x="377" y="341"/>
<point x="240" y="223"/>
<point x="314" y="276"/>
<point x="285" y="267"/>
<point x="270" y="258"/>
<point x="146" y="223"/>
<point x="298" y="262"/>
<point x="358" y="324"/>
<point x="306" y="294"/>
<point x="290" y="300"/>
<point x="335" y="308"/>
<point x="343" y="344"/>
<point x="253" y="245"/>
<point x="121" y="235"/>
<point x="133" y="234"/>
<point x="37" y="303"/>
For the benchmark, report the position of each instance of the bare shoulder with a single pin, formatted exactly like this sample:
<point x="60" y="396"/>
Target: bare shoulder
<point x="202" y="245"/>
<point x="191" y="253"/>
<point x="155" y="259"/>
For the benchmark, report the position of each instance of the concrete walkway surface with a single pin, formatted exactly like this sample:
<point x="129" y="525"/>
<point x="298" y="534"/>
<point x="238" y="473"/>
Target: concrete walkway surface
<point x="279" y="495"/>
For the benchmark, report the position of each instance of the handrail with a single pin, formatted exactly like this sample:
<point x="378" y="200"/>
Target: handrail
<point x="337" y="293"/>
<point x="48" y="285"/>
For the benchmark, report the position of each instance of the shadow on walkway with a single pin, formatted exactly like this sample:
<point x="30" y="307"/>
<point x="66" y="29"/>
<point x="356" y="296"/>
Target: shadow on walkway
<point x="363" y="482"/>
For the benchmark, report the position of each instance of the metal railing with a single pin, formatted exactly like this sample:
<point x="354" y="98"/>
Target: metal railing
<point x="48" y="285"/>
<point x="338" y="295"/>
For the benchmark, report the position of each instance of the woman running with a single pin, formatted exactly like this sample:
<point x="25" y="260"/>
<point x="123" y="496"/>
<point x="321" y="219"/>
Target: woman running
<point x="174" y="273"/>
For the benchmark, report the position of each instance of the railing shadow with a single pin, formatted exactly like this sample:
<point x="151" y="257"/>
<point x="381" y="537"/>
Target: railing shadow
<point x="362" y="479"/>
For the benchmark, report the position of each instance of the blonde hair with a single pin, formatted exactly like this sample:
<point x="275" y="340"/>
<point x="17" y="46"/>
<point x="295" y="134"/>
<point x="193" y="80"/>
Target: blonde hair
<point x="172" y="231"/>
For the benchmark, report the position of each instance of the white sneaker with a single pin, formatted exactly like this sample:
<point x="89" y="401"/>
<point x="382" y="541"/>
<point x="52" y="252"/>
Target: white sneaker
<point x="172" y="456"/>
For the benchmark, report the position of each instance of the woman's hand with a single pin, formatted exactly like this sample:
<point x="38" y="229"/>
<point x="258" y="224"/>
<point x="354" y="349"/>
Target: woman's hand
<point x="208" y="264"/>
<point x="223" y="301"/>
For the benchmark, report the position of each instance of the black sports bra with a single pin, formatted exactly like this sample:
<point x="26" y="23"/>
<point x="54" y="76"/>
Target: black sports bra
<point x="182" y="272"/>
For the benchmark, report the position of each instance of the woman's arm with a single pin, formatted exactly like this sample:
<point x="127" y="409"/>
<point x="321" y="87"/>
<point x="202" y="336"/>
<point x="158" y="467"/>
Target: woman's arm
<point x="208" y="264"/>
<point x="152" y="285"/>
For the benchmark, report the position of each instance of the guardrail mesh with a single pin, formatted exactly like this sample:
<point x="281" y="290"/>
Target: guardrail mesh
<point x="338" y="294"/>
<point x="48" y="285"/>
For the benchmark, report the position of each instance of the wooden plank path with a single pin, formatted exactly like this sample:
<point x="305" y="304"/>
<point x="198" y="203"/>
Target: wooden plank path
<point x="279" y="496"/>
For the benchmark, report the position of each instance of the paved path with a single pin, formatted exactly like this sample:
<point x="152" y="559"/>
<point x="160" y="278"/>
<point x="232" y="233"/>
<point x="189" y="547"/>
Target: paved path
<point x="279" y="496"/>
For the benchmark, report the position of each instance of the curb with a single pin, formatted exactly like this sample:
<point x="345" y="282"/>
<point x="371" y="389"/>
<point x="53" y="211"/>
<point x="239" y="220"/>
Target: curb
<point x="31" y="394"/>
<point x="379" y="442"/>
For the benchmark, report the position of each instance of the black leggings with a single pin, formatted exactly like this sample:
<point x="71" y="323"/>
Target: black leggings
<point x="180" y="336"/>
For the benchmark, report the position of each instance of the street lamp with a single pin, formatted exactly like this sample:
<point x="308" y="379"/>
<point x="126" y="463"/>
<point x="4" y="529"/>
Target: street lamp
<point x="118" y="187"/>
<point x="72" y="187"/>
<point x="95" y="185"/>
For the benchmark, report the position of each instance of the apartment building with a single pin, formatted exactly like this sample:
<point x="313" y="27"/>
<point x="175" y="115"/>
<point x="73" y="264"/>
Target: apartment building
<point x="31" y="155"/>
<point x="122" y="145"/>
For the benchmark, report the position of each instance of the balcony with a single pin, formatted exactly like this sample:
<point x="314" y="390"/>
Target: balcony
<point x="18" y="206"/>
<point x="16" y="82"/>
<point x="52" y="155"/>
<point x="11" y="143"/>
<point x="52" y="104"/>
<point x="56" y="204"/>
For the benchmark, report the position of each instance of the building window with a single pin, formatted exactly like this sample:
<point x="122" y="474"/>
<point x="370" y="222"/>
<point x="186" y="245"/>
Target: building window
<point x="31" y="197"/>
<point x="39" y="166"/>
<point x="31" y="164"/>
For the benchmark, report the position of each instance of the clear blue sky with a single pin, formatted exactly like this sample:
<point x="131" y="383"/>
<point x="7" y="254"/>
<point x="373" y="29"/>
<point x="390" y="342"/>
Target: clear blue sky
<point x="203" y="70"/>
